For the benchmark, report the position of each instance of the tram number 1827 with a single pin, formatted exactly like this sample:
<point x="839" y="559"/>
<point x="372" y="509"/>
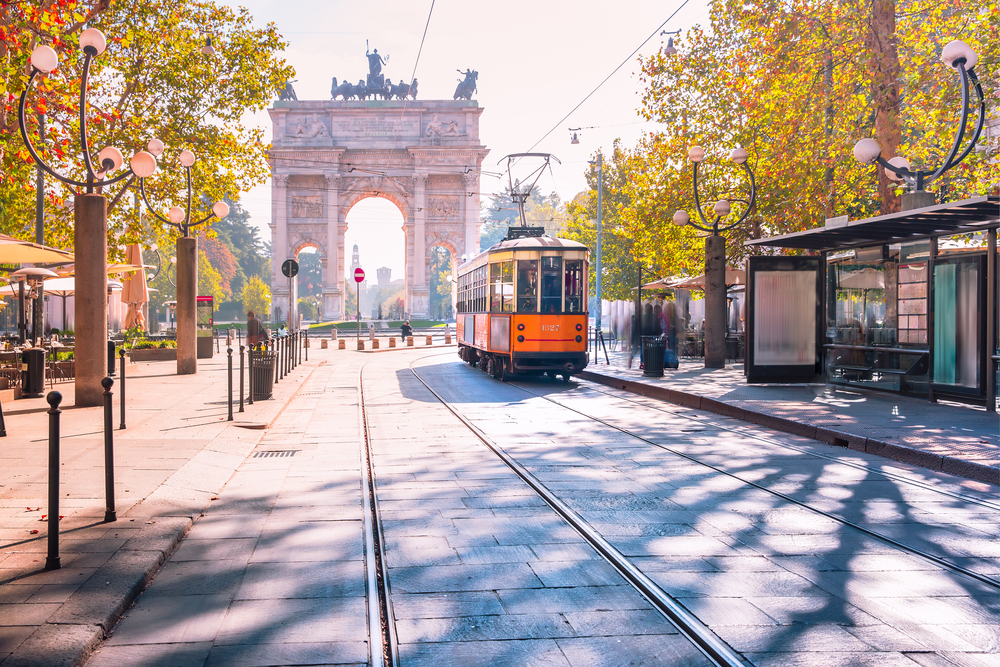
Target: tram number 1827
<point x="522" y="307"/>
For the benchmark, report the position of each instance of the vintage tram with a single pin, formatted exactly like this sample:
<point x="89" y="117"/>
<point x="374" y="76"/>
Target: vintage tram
<point x="522" y="306"/>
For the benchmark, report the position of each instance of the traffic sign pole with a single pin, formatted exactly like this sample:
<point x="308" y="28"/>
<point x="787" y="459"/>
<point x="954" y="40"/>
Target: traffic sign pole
<point x="359" y="275"/>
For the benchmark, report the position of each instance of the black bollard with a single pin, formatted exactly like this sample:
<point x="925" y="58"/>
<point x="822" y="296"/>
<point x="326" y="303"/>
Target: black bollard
<point x="3" y="425"/>
<point x="52" y="561"/>
<point x="241" y="377"/>
<point x="307" y="345"/>
<point x="299" y="345"/>
<point x="121" y="373"/>
<point x="111" y="357"/>
<point x="277" y="356"/>
<point x="229" y="351"/>
<point x="109" y="454"/>
<point x="253" y="379"/>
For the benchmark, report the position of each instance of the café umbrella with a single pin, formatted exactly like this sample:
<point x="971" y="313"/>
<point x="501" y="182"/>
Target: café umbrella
<point x="135" y="292"/>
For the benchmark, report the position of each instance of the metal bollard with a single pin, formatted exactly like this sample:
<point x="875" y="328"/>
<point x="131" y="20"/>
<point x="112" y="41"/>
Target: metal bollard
<point x="251" y="374"/>
<point x="111" y="357"/>
<point x="307" y="345"/>
<point x="241" y="378"/>
<point x="121" y="372"/>
<point x="274" y="347"/>
<point x="229" y="351"/>
<point x="52" y="561"/>
<point x="109" y="454"/>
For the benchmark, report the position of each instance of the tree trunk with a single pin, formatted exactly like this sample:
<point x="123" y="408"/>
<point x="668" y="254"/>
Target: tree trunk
<point x="884" y="66"/>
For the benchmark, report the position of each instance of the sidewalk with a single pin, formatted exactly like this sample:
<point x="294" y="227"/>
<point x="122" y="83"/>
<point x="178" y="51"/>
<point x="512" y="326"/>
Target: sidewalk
<point x="177" y="453"/>
<point x="957" y="439"/>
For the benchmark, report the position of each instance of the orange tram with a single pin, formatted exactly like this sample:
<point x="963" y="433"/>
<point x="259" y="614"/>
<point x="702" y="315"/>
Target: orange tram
<point x="522" y="306"/>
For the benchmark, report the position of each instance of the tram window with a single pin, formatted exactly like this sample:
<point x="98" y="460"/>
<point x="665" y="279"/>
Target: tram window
<point x="527" y="285"/>
<point x="502" y="287"/>
<point x="574" y="286"/>
<point x="551" y="284"/>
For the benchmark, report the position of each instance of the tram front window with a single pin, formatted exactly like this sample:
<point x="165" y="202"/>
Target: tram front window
<point x="551" y="284"/>
<point x="527" y="286"/>
<point x="501" y="287"/>
<point x="574" y="286"/>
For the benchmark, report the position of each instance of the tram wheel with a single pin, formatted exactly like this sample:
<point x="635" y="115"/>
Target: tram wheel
<point x="501" y="370"/>
<point x="488" y="366"/>
<point x="565" y="377"/>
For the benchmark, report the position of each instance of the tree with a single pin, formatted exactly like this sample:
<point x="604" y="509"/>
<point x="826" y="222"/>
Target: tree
<point x="152" y="80"/>
<point x="310" y="279"/>
<point x="210" y="281"/>
<point x="256" y="296"/>
<point x="243" y="241"/>
<point x="501" y="212"/>
<point x="796" y="84"/>
<point x="440" y="287"/>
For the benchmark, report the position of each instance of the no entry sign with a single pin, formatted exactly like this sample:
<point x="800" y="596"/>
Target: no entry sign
<point x="359" y="274"/>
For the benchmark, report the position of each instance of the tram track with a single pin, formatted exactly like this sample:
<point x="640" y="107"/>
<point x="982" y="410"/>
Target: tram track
<point x="381" y="626"/>
<point x="689" y="625"/>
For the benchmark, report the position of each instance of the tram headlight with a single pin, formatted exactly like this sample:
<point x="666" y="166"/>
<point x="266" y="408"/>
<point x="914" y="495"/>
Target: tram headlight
<point x="579" y="327"/>
<point x="520" y="327"/>
<point x="579" y="339"/>
<point x="520" y="339"/>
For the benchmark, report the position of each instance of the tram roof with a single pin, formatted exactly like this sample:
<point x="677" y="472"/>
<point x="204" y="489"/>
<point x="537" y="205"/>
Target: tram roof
<point x="537" y="243"/>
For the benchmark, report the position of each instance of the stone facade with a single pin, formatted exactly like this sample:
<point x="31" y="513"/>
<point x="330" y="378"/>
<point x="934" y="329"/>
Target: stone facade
<point x="326" y="156"/>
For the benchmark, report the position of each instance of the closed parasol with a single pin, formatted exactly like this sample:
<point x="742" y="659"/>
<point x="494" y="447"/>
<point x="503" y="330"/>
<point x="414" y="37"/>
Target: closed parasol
<point x="135" y="293"/>
<point x="734" y="276"/>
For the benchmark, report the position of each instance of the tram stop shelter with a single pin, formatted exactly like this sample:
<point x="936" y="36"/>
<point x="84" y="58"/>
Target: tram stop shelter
<point x="905" y="302"/>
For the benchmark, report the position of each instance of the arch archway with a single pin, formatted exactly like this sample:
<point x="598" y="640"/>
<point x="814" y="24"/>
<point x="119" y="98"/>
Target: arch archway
<point x="327" y="156"/>
<point x="376" y="237"/>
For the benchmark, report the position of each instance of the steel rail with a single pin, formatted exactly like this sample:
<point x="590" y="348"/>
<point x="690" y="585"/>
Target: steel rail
<point x="744" y="431"/>
<point x="937" y="560"/>
<point x="379" y="604"/>
<point x="689" y="625"/>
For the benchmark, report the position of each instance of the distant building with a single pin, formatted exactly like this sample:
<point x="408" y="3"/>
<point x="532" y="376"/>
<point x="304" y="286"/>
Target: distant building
<point x="363" y="292"/>
<point x="384" y="276"/>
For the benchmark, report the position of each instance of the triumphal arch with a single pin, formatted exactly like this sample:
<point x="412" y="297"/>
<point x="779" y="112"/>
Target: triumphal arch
<point x="326" y="156"/>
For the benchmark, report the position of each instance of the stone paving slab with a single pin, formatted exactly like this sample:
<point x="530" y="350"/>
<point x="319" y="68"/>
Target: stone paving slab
<point x="949" y="437"/>
<point x="176" y="453"/>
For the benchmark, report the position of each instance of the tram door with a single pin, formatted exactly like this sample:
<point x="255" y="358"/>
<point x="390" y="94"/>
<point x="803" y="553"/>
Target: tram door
<point x="784" y="319"/>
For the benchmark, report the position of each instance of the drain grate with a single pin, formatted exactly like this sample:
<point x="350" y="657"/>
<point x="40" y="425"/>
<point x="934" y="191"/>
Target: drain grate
<point x="275" y="453"/>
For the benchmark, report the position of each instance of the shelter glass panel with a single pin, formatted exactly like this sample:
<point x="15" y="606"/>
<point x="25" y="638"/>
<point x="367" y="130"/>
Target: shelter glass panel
<point x="956" y="323"/>
<point x="527" y="285"/>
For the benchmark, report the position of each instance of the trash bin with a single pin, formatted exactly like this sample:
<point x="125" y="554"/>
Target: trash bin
<point x="33" y="371"/>
<point x="262" y="364"/>
<point x="653" y="349"/>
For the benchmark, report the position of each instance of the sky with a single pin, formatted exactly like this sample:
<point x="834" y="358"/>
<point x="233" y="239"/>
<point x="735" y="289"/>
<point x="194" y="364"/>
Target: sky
<point x="537" y="60"/>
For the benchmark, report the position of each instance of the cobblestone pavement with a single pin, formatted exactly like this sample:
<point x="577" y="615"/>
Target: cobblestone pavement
<point x="959" y="432"/>
<point x="482" y="571"/>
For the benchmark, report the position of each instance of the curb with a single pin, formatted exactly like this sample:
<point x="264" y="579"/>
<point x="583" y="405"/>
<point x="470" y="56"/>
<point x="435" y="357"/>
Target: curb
<point x="936" y="462"/>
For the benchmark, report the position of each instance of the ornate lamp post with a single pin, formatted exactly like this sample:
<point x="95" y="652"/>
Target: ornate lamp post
<point x="144" y="165"/>
<point x="959" y="56"/>
<point x="90" y="234"/>
<point x="715" y="255"/>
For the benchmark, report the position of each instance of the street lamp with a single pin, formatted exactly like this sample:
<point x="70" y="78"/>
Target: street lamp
<point x="669" y="49"/>
<point x="715" y="254"/>
<point x="186" y="260"/>
<point x="961" y="57"/>
<point x="90" y="229"/>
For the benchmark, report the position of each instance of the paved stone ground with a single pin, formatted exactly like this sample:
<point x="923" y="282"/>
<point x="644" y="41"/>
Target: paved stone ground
<point x="272" y="573"/>
<point x="178" y="451"/>
<point x="482" y="571"/>
<point x="780" y="584"/>
<point x="944" y="429"/>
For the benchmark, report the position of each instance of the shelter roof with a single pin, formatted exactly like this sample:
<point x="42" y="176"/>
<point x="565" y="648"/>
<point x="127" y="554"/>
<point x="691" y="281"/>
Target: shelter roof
<point x="969" y="215"/>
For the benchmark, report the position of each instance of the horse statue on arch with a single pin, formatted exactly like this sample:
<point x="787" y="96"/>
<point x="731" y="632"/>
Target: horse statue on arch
<point x="401" y="90"/>
<point x="466" y="87"/>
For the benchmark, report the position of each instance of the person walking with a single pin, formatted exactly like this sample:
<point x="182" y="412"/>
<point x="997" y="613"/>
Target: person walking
<point x="406" y="331"/>
<point x="256" y="333"/>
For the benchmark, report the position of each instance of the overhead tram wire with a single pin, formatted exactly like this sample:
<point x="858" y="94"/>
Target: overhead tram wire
<point x="615" y="71"/>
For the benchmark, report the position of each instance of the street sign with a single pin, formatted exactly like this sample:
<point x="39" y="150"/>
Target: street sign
<point x="359" y="274"/>
<point x="289" y="268"/>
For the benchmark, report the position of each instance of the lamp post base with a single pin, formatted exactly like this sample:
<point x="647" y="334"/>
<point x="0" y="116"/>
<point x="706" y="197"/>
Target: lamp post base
<point x="187" y="306"/>
<point x="90" y="244"/>
<point x="715" y="302"/>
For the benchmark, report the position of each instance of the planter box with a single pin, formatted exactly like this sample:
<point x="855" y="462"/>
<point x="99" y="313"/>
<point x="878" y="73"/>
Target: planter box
<point x="156" y="354"/>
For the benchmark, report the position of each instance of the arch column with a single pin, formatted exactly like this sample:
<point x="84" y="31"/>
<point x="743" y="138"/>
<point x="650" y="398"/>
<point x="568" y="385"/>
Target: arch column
<point x="279" y="247"/>
<point x="419" y="294"/>
<point x="332" y="273"/>
<point x="471" y="203"/>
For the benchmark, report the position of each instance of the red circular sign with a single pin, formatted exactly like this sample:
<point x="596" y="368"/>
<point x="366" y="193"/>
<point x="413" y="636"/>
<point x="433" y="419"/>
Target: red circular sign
<point x="359" y="274"/>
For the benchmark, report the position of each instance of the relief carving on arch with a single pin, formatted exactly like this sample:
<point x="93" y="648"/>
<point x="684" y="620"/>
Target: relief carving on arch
<point x="442" y="206"/>
<point x="310" y="206"/>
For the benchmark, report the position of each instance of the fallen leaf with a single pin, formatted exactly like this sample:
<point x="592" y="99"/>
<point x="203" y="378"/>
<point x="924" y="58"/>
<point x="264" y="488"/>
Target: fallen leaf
<point x="33" y="532"/>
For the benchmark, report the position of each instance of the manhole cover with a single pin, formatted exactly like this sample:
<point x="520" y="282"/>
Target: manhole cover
<point x="275" y="453"/>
